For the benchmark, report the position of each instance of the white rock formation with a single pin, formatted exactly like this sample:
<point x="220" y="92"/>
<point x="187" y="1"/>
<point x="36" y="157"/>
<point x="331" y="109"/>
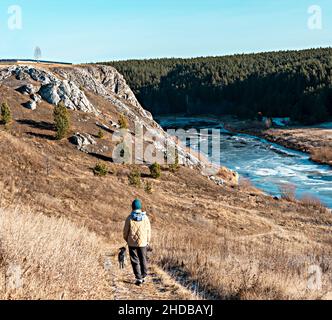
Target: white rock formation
<point x="53" y="89"/>
<point x="66" y="84"/>
<point x="82" y="141"/>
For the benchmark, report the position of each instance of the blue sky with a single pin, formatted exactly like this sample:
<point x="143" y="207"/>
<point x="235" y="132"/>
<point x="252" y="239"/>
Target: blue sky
<point x="99" y="30"/>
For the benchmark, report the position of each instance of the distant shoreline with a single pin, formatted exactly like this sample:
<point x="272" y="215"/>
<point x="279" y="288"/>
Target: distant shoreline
<point x="312" y="140"/>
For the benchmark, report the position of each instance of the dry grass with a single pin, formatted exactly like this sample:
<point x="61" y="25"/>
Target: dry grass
<point x="221" y="242"/>
<point x="307" y="202"/>
<point x="322" y="155"/>
<point x="288" y="192"/>
<point x="226" y="268"/>
<point x="246" y="185"/>
<point x="313" y="203"/>
<point x="56" y="259"/>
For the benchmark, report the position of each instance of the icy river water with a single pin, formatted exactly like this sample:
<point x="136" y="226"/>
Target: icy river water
<point x="265" y="164"/>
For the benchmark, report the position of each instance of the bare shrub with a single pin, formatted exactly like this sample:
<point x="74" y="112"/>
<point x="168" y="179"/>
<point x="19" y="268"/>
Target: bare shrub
<point x="310" y="201"/>
<point x="288" y="191"/>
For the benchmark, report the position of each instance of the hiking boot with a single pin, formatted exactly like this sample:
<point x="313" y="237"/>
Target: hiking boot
<point x="139" y="282"/>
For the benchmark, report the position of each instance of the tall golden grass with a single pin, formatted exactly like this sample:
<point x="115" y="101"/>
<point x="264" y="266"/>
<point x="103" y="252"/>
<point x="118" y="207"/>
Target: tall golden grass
<point x="228" y="268"/>
<point x="49" y="258"/>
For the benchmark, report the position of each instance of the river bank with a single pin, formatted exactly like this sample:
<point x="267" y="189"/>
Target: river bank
<point x="269" y="166"/>
<point x="315" y="140"/>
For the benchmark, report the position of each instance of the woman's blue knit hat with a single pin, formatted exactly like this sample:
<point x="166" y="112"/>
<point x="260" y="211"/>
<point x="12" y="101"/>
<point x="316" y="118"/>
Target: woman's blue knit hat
<point x="137" y="205"/>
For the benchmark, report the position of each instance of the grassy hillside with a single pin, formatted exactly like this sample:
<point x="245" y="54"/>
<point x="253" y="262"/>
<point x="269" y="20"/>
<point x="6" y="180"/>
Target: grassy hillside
<point x="221" y="242"/>
<point x="286" y="83"/>
<point x="209" y="241"/>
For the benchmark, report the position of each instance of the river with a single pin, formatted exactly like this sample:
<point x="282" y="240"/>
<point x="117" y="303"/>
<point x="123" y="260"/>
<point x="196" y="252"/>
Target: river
<point x="265" y="164"/>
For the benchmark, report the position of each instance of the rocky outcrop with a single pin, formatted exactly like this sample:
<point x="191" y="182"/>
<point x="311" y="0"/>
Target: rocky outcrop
<point x="82" y="141"/>
<point x="102" y="80"/>
<point x="53" y="89"/>
<point x="67" y="92"/>
<point x="107" y="82"/>
<point x="69" y="84"/>
<point x="27" y="89"/>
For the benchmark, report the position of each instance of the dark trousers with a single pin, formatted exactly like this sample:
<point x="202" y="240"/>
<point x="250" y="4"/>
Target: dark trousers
<point x="138" y="258"/>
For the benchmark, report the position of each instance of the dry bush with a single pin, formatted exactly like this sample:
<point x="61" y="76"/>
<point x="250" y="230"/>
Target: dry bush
<point x="311" y="202"/>
<point x="55" y="259"/>
<point x="226" y="268"/>
<point x="323" y="155"/>
<point x="288" y="192"/>
<point x="230" y="177"/>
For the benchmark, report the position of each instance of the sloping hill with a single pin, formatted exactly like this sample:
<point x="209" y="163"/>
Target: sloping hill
<point x="225" y="242"/>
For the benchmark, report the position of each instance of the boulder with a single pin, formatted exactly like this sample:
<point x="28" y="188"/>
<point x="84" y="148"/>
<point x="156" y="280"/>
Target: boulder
<point x="49" y="93"/>
<point x="31" y="105"/>
<point x="216" y="180"/>
<point x="27" y="89"/>
<point x="22" y="76"/>
<point x="114" y="125"/>
<point x="36" y="97"/>
<point x="82" y="141"/>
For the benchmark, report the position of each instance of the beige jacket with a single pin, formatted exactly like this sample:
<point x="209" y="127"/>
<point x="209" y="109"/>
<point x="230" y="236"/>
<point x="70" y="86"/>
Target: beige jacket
<point x="137" y="233"/>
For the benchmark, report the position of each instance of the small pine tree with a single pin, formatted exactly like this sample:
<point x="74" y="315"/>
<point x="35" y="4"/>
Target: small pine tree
<point x="155" y="171"/>
<point x="134" y="178"/>
<point x="101" y="170"/>
<point x="61" y="121"/>
<point x="101" y="134"/>
<point x="6" y="115"/>
<point x="148" y="187"/>
<point x="123" y="122"/>
<point x="175" y="166"/>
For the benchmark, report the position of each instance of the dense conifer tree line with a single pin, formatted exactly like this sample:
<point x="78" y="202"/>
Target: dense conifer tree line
<point x="279" y="84"/>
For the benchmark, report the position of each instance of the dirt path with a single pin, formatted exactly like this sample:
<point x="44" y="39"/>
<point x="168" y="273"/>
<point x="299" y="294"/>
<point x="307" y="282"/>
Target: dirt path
<point x="272" y="228"/>
<point x="159" y="285"/>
